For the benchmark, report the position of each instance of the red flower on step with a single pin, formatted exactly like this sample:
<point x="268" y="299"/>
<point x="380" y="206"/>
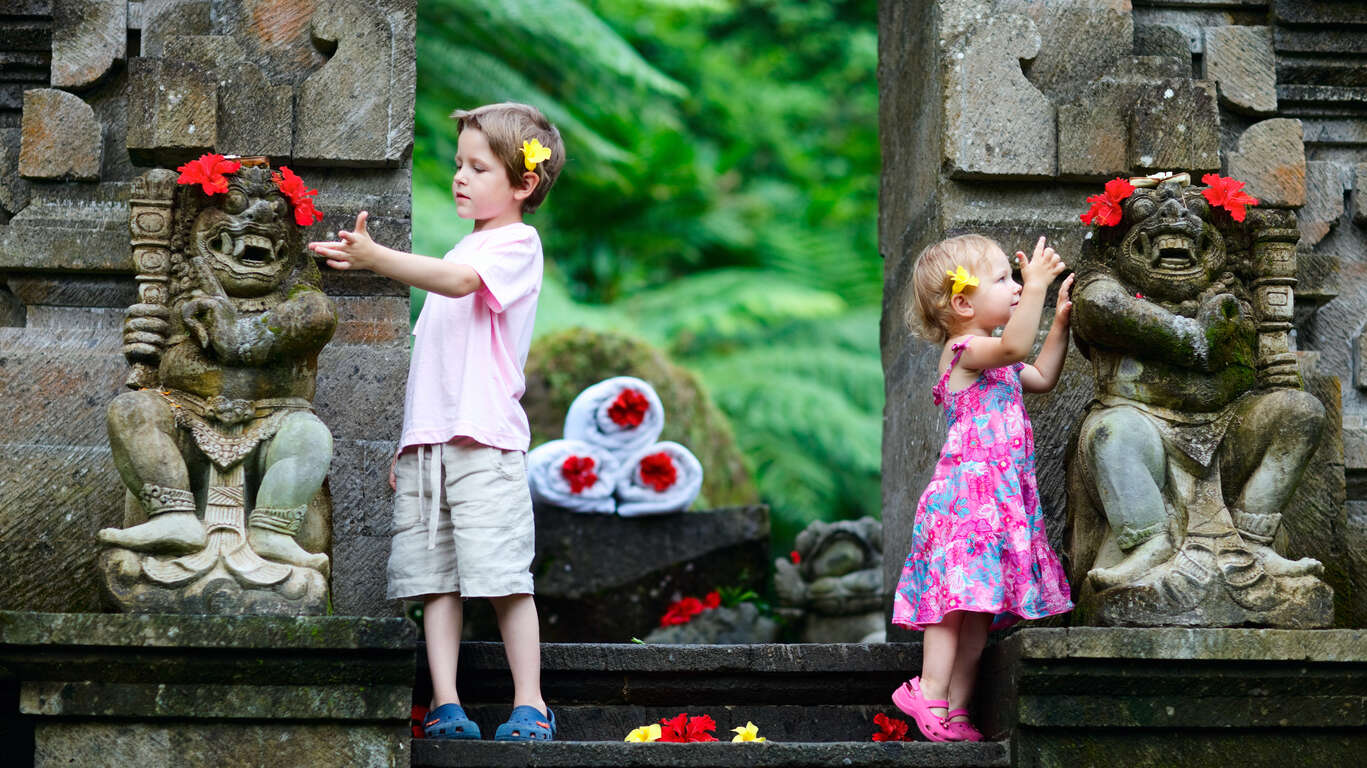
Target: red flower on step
<point x="209" y="171"/>
<point x="712" y="599"/>
<point x="629" y="409"/>
<point x="674" y="729"/>
<point x="700" y="728"/>
<point x="658" y="471"/>
<point x="1105" y="210"/>
<point x="415" y="718"/>
<point x="1227" y="193"/>
<point x="682" y="611"/>
<point x="889" y="728"/>
<point x="301" y="197"/>
<point x="578" y="472"/>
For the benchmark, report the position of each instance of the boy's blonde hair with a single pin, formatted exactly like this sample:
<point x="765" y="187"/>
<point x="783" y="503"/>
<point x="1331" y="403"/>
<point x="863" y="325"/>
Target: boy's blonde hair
<point x="506" y="126"/>
<point x="929" y="313"/>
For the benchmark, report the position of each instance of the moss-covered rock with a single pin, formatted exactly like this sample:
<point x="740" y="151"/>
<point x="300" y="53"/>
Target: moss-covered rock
<point x="563" y="364"/>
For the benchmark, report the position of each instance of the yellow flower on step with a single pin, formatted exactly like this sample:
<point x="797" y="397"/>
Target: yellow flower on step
<point x="749" y="733"/>
<point x="645" y="733"/>
<point x="533" y="153"/>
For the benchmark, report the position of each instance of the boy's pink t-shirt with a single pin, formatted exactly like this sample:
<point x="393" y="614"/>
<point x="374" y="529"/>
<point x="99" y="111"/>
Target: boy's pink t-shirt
<point x="465" y="376"/>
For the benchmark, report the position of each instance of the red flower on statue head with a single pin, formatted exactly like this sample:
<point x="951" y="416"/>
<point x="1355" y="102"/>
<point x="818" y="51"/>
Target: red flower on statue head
<point x="1227" y="193"/>
<point x="889" y="728"/>
<point x="629" y="409"/>
<point x="209" y="171"/>
<point x="301" y="197"/>
<point x="658" y="471"/>
<point x="578" y="472"/>
<point x="1105" y="210"/>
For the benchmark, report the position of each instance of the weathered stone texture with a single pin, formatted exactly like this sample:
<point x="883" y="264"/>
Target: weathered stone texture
<point x="61" y="138"/>
<point x="172" y="111"/>
<point x="1162" y="40"/>
<point x="357" y="109"/>
<point x="161" y="19"/>
<point x="997" y="123"/>
<point x="1175" y="124"/>
<point x="14" y="191"/>
<point x="88" y="36"/>
<point x="1241" y="62"/>
<point x="1271" y="162"/>
<point x="69" y="228"/>
<point x="1360" y="194"/>
<point x="1324" y="182"/>
<point x="254" y="115"/>
<point x="1093" y="132"/>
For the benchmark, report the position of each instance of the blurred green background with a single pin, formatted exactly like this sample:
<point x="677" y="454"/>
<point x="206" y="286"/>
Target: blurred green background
<point x="719" y="201"/>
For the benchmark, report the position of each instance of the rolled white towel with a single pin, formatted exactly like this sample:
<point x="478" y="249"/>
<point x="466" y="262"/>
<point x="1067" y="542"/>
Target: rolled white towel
<point x="665" y="477"/>
<point x="573" y="475"/>
<point x="622" y="415"/>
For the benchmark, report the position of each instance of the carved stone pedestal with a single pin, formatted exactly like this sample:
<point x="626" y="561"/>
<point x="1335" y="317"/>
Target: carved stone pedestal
<point x="200" y="691"/>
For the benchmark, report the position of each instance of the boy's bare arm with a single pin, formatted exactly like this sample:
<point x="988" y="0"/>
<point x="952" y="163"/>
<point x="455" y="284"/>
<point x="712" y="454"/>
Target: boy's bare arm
<point x="356" y="250"/>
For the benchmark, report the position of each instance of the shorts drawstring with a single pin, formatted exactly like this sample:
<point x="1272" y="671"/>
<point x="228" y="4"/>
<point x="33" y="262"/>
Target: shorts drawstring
<point x="434" y="469"/>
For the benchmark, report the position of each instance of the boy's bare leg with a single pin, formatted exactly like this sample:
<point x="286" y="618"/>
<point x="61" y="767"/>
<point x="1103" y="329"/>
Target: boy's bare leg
<point x="972" y="638"/>
<point x="521" y="631"/>
<point x="441" y="621"/>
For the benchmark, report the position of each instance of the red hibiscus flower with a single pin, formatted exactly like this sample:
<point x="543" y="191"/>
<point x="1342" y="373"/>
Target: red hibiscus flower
<point x="578" y="472"/>
<point x="889" y="728"/>
<point x="674" y="729"/>
<point x="209" y="171"/>
<point x="415" y="718"/>
<point x="711" y="599"/>
<point x="301" y="197"/>
<point x="658" y="471"/>
<point x="629" y="409"/>
<point x="1227" y="193"/>
<point x="1105" y="210"/>
<point x="700" y="728"/>
<point x="682" y="611"/>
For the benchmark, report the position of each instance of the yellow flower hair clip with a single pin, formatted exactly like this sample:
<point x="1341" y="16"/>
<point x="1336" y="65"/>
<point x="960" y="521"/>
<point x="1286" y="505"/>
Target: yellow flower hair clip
<point x="533" y="153"/>
<point x="961" y="279"/>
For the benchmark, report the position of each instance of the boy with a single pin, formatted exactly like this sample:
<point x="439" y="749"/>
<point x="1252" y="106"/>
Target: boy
<point x="471" y="533"/>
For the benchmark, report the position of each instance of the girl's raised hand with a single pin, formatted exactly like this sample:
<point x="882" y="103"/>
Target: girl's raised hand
<point x="352" y="250"/>
<point x="1064" y="307"/>
<point x="1043" y="267"/>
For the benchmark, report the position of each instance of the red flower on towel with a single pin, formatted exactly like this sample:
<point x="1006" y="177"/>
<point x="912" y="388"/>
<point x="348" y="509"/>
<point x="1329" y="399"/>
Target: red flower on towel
<point x="682" y="728"/>
<point x="578" y="472"/>
<point x="796" y="557"/>
<point x="1105" y="210"/>
<point x="629" y="409"/>
<point x="209" y="171"/>
<point x="301" y="197"/>
<point x="658" y="471"/>
<point x="1227" y="193"/>
<point x="682" y="611"/>
<point x="889" y="728"/>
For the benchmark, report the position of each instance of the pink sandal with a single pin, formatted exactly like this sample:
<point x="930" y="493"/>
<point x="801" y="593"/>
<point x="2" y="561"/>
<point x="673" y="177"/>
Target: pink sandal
<point x="961" y="730"/>
<point x="909" y="698"/>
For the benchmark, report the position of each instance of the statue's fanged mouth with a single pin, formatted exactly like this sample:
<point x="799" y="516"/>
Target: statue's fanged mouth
<point x="248" y="249"/>
<point x="1169" y="252"/>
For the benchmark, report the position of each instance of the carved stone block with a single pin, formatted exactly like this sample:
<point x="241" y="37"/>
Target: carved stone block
<point x="1161" y="40"/>
<point x="358" y="107"/>
<point x="254" y="115"/>
<point x="172" y="111"/>
<point x="61" y="137"/>
<point x="997" y="123"/>
<point x="88" y="36"/>
<point x="1243" y="65"/>
<point x="1093" y="132"/>
<point x="1175" y="124"/>
<point x="1360" y="194"/>
<point x="1271" y="162"/>
<point x="1324" y="187"/>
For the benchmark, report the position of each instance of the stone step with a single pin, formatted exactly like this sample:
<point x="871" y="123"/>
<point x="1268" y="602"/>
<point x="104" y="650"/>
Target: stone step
<point x="591" y="754"/>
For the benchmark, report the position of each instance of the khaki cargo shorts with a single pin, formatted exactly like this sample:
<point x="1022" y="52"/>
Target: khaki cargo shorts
<point x="462" y="522"/>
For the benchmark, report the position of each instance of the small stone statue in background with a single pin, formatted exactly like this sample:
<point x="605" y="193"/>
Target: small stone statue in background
<point x="834" y="583"/>
<point x="219" y="448"/>
<point x="1200" y="430"/>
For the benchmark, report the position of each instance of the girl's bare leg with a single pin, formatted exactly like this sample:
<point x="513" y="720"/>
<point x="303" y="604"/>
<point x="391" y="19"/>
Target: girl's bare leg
<point x="938" y="653"/>
<point x="972" y="638"/>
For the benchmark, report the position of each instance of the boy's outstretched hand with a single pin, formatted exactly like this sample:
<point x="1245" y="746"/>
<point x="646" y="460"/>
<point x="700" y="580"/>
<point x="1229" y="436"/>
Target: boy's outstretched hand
<point x="352" y="250"/>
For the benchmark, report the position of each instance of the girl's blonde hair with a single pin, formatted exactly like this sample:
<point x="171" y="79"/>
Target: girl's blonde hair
<point x="929" y="314"/>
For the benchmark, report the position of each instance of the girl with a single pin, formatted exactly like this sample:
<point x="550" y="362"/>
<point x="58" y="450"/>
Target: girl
<point x="979" y="548"/>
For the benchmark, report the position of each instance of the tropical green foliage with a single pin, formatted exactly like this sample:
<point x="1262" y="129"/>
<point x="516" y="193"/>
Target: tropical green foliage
<point x="719" y="200"/>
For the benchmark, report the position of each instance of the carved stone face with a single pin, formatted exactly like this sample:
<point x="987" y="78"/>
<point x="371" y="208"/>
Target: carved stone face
<point x="242" y="237"/>
<point x="1171" y="251"/>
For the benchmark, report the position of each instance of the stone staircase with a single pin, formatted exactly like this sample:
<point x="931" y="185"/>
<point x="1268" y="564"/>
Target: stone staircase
<point x="814" y="704"/>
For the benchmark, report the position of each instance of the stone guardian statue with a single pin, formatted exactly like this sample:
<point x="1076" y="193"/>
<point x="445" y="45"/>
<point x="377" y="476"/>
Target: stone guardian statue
<point x="217" y="443"/>
<point x="1199" y="431"/>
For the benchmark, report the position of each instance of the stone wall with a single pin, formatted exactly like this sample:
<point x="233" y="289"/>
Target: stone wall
<point x="93" y="93"/>
<point x="1001" y="116"/>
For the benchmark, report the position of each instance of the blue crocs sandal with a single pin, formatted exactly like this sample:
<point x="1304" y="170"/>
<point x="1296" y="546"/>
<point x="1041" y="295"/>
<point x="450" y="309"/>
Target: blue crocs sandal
<point x="527" y="724"/>
<point x="449" y="722"/>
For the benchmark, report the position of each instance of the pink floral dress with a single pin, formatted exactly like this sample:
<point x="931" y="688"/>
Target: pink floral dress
<point x="979" y="542"/>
